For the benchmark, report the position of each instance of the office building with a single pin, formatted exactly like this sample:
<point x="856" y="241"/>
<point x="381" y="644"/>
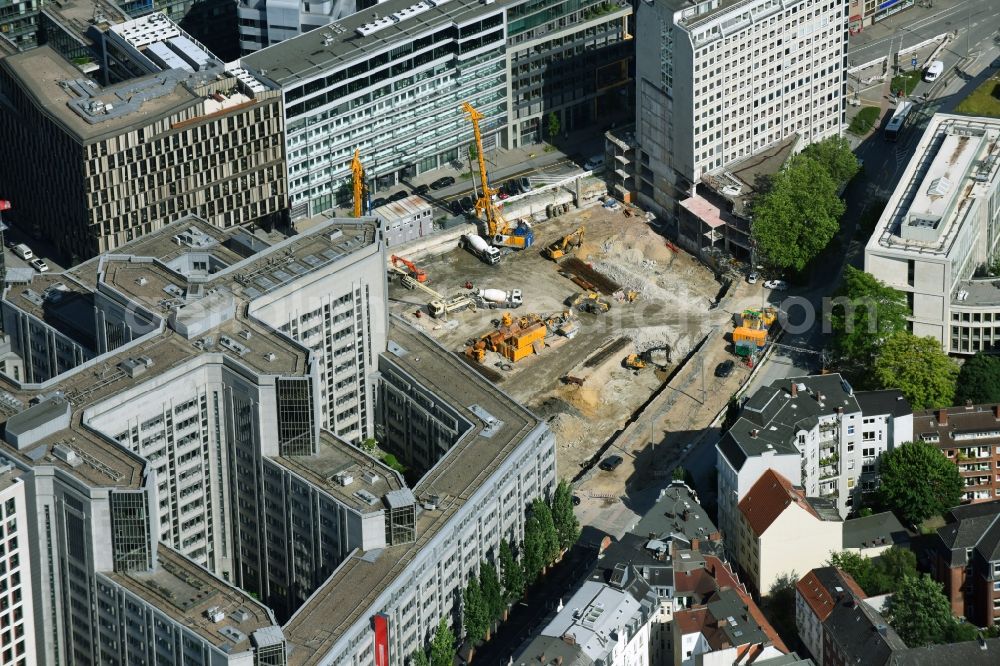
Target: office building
<point x="17" y="614"/>
<point x="720" y="81"/>
<point x="968" y="436"/>
<point x="571" y="60"/>
<point x="967" y="562"/>
<point x="816" y="432"/>
<point x="782" y="531"/>
<point x="390" y="88"/>
<point x="937" y="239"/>
<point x="126" y="159"/>
<point x="266" y="22"/>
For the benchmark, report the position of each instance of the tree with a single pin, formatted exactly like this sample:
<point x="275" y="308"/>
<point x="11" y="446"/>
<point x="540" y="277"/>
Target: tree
<point x="550" y="536"/>
<point x="475" y="616"/>
<point x="879" y="576"/>
<point x="511" y="573"/>
<point x="553" y="125"/>
<point x="798" y="215"/>
<point x="896" y="564"/>
<point x="493" y="599"/>
<point x="865" y="314"/>
<point x="979" y="380"/>
<point x="443" y="645"/>
<point x="419" y="658"/>
<point x="369" y="445"/>
<point x="919" y="612"/>
<point x="917" y="481"/>
<point x="917" y="367"/>
<point x="779" y="607"/>
<point x="473" y="152"/>
<point x="835" y="154"/>
<point x="533" y="549"/>
<point x="566" y="523"/>
<point x="861" y="569"/>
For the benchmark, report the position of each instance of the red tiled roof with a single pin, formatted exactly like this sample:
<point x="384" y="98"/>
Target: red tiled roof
<point x="819" y="598"/>
<point x="691" y="621"/>
<point x="698" y="581"/>
<point x="726" y="578"/>
<point x="768" y="498"/>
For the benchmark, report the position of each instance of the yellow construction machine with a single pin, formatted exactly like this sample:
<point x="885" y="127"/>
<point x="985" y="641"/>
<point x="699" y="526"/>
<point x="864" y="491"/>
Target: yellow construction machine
<point x="589" y="301"/>
<point x="564" y="245"/>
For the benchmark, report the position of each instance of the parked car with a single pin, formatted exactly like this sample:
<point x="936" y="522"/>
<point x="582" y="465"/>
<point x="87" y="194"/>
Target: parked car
<point x="10" y="244"/>
<point x="396" y="196"/>
<point x="39" y="265"/>
<point x="442" y="182"/>
<point x="776" y="285"/>
<point x="752" y="278"/>
<point x="468" y="205"/>
<point x="510" y="187"/>
<point x="725" y="368"/>
<point x="421" y="190"/>
<point x="524" y="184"/>
<point x="934" y="70"/>
<point x="611" y="463"/>
<point x="576" y="500"/>
<point x="376" y="203"/>
<point x="455" y="207"/>
<point x="594" y="163"/>
<point x="23" y="251"/>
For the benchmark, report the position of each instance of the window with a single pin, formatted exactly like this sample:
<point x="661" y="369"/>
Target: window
<point x="850" y="430"/>
<point x="868" y="452"/>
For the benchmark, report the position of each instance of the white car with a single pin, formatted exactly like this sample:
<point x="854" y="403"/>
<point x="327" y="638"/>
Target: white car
<point x="39" y="265"/>
<point x="752" y="278"/>
<point x="776" y="285"/>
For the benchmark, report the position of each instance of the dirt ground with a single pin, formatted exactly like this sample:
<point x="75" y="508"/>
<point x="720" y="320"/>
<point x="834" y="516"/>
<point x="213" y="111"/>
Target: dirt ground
<point x="675" y="292"/>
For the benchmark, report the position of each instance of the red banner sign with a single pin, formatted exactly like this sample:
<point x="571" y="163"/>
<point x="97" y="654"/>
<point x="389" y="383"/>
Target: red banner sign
<point x="381" y="623"/>
<point x="4" y="205"/>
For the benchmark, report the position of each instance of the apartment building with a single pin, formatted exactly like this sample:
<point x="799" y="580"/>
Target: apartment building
<point x="967" y="561"/>
<point x="937" y="239"/>
<point x="719" y="81"/>
<point x="390" y="87"/>
<point x="969" y="436"/>
<point x="124" y="160"/>
<point x="817" y="594"/>
<point x="572" y="59"/>
<point x="815" y="431"/>
<point x="17" y="615"/>
<point x="782" y="532"/>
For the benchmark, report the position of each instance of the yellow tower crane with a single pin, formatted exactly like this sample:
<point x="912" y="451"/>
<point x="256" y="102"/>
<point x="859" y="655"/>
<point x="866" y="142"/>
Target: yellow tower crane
<point x="500" y="231"/>
<point x="358" y="174"/>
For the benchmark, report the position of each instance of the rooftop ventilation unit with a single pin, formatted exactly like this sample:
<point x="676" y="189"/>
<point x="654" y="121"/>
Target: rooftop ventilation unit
<point x="343" y="479"/>
<point x="371" y="478"/>
<point x="66" y="454"/>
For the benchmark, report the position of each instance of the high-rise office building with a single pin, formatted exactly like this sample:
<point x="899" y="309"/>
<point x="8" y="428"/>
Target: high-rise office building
<point x="17" y="615"/>
<point x="719" y="80"/>
<point x="190" y="136"/>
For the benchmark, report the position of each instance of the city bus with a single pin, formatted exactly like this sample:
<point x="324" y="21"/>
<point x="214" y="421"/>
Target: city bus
<point x="898" y="121"/>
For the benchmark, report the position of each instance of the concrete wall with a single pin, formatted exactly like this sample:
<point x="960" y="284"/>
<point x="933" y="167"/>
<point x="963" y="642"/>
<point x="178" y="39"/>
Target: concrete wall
<point x="795" y="542"/>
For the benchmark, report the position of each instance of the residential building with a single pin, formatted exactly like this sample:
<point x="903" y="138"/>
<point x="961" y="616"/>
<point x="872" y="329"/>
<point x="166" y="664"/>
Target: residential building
<point x="782" y="532"/>
<point x="716" y="620"/>
<point x="677" y="518"/>
<point x="127" y="159"/>
<point x="570" y="60"/>
<point x="855" y="633"/>
<point x="817" y="594"/>
<point x="391" y="88"/>
<point x="605" y="623"/>
<point x="17" y="614"/>
<point x="938" y="234"/>
<point x="870" y="536"/>
<point x="815" y="431"/>
<point x="405" y="220"/>
<point x="969" y="436"/>
<point x="967" y="561"/>
<point x="720" y="81"/>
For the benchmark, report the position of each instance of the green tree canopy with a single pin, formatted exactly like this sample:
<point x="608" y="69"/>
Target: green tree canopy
<point x="475" y="615"/>
<point x="917" y="367"/>
<point x="533" y="555"/>
<point x="917" y="481"/>
<point x="553" y="125"/>
<point x="835" y="154"/>
<point x="779" y="607"/>
<point x="877" y="576"/>
<point x="419" y="658"/>
<point x="919" y="612"/>
<point x="489" y="583"/>
<point x="511" y="573"/>
<point x="979" y="380"/>
<point x="443" y="645"/>
<point x="865" y="314"/>
<point x="550" y="536"/>
<point x="563" y="516"/>
<point x="798" y="215"/>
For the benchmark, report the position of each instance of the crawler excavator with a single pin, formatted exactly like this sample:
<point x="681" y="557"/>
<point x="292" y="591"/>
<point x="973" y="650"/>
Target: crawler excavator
<point x="564" y="245"/>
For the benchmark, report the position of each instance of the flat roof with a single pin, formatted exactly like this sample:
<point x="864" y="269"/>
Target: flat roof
<point x="336" y="461"/>
<point x="9" y="477"/>
<point x="361" y="579"/>
<point x="956" y="161"/>
<point x="80" y="16"/>
<point x="41" y="70"/>
<point x="186" y="592"/>
<point x="339" y="43"/>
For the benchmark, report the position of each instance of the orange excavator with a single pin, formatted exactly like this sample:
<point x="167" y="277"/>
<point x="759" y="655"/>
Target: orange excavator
<point x="417" y="274"/>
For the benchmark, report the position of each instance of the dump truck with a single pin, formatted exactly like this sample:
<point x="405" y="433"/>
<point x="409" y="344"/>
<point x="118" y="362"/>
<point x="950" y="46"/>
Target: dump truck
<point x="479" y="247"/>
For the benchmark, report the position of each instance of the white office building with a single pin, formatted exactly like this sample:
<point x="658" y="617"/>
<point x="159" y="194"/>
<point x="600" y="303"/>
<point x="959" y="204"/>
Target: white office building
<point x="815" y="431"/>
<point x="266" y="22"/>
<point x="937" y="240"/>
<point x="719" y="80"/>
<point x="17" y="615"/>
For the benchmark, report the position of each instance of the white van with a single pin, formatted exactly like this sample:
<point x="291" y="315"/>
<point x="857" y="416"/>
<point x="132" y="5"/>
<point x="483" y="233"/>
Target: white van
<point x="594" y="163"/>
<point x="23" y="251"/>
<point x="934" y="70"/>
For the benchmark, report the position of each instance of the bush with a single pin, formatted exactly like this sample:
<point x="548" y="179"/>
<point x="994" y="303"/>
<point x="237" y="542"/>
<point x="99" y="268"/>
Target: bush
<point x="864" y="121"/>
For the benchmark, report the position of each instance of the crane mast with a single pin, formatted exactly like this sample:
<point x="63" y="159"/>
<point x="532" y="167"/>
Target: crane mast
<point x="358" y="176"/>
